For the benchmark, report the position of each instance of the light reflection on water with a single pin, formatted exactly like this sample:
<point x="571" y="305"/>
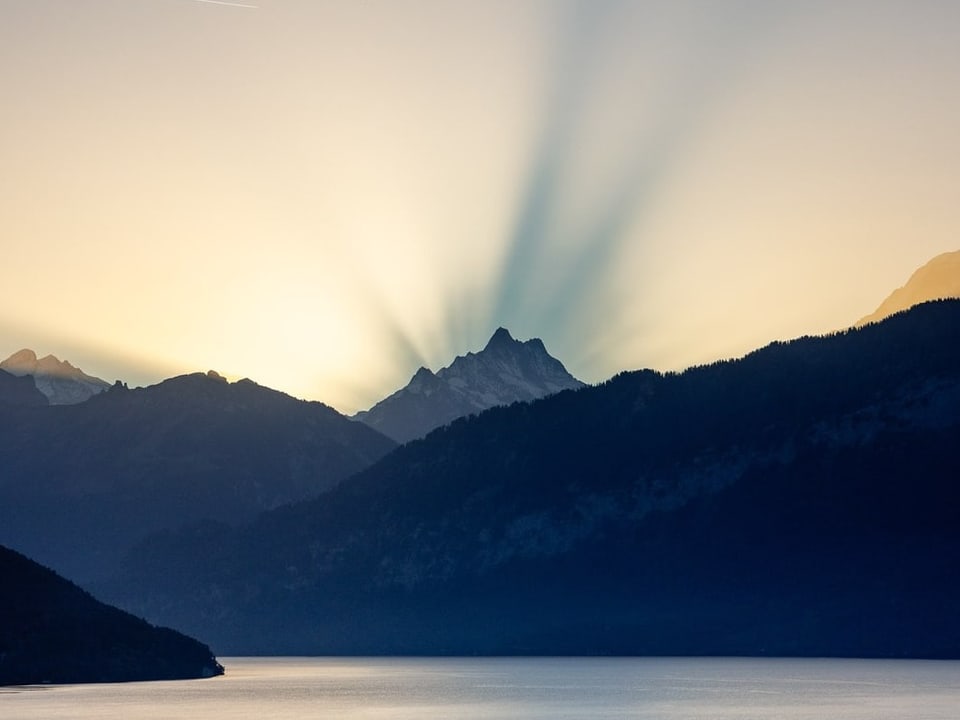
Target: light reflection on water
<point x="518" y="689"/>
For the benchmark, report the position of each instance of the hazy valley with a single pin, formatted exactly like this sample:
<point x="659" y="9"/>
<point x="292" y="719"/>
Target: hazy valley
<point x="479" y="360"/>
<point x="800" y="500"/>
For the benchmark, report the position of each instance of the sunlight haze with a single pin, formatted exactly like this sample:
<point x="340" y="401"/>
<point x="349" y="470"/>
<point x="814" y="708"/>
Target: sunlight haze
<point x="323" y="196"/>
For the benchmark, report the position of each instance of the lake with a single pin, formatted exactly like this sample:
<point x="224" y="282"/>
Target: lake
<point x="518" y="689"/>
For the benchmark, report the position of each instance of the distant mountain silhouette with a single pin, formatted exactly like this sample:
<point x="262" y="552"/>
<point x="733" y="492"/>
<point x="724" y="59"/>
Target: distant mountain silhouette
<point x="80" y="484"/>
<point x="20" y="391"/>
<point x="51" y="631"/>
<point x="938" y="279"/>
<point x="504" y="372"/>
<point x="802" y="500"/>
<point x="61" y="382"/>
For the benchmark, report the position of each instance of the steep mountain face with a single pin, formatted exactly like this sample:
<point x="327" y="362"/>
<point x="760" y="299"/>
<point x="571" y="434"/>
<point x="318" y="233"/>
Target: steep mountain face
<point x="800" y="501"/>
<point x="504" y="372"/>
<point x="83" y="483"/>
<point x="51" y="631"/>
<point x="58" y="380"/>
<point x="938" y="279"/>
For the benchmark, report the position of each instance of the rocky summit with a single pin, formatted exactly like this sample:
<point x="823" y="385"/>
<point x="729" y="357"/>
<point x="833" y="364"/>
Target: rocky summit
<point x="58" y="380"/>
<point x="504" y="372"/>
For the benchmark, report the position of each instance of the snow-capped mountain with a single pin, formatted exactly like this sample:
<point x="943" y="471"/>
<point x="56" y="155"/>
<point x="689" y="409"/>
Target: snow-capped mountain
<point x="504" y="372"/>
<point x="61" y="382"/>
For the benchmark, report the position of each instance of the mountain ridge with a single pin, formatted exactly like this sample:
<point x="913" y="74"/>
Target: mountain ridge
<point x="800" y="500"/>
<point x="61" y="382"/>
<point x="194" y="448"/>
<point x="937" y="279"/>
<point x="503" y="372"/>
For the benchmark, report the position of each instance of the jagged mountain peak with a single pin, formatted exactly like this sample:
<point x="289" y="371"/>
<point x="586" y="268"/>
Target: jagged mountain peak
<point x="52" y="365"/>
<point x="422" y="374"/>
<point x="423" y="381"/>
<point x="503" y="342"/>
<point x="26" y="362"/>
<point x="62" y="382"/>
<point x="505" y="371"/>
<point x="500" y="338"/>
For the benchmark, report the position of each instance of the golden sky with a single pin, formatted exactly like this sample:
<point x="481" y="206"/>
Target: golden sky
<point x="323" y="196"/>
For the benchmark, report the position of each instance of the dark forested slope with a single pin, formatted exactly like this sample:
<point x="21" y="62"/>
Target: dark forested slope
<point x="51" y="631"/>
<point x="82" y="483"/>
<point x="801" y="500"/>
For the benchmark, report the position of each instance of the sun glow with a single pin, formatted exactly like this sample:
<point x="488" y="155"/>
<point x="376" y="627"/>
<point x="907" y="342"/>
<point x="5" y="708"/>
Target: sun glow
<point x="324" y="196"/>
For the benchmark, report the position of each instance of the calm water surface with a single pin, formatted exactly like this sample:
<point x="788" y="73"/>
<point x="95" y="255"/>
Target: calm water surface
<point x="518" y="689"/>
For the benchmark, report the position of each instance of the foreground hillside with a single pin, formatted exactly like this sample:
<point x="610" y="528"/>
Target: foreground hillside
<point x="800" y="501"/>
<point x="82" y="483"/>
<point x="53" y="632"/>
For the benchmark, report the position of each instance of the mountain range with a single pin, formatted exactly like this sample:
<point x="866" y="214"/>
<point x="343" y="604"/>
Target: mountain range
<point x="504" y="372"/>
<point x="798" y="501"/>
<point x="114" y="467"/>
<point x="801" y="500"/>
<point x="83" y="483"/>
<point x="59" y="381"/>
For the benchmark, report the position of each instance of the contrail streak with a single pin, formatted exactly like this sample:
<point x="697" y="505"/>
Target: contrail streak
<point x="231" y="4"/>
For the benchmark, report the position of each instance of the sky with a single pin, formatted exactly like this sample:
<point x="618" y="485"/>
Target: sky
<point x="323" y="196"/>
